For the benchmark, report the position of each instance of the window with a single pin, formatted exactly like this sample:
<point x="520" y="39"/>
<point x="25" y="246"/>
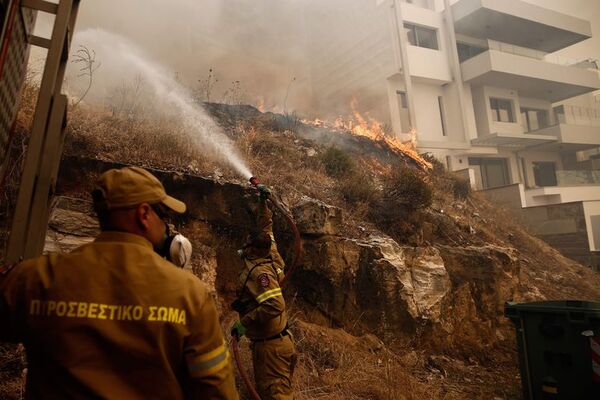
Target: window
<point x="559" y="114"/>
<point x="544" y="173"/>
<point x="403" y="110"/>
<point x="403" y="99"/>
<point x="533" y="119"/>
<point x="442" y="115"/>
<point x="421" y="37"/>
<point x="502" y="110"/>
<point x="466" y="51"/>
<point x="493" y="171"/>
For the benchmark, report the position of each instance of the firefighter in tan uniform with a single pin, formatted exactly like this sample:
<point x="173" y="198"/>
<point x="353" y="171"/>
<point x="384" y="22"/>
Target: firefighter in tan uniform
<point x="113" y="319"/>
<point x="261" y="307"/>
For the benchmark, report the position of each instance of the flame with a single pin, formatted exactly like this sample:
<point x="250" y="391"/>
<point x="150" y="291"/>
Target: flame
<point x="260" y="104"/>
<point x="365" y="126"/>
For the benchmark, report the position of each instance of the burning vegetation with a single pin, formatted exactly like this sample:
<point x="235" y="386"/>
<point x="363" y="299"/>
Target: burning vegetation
<point x="360" y="125"/>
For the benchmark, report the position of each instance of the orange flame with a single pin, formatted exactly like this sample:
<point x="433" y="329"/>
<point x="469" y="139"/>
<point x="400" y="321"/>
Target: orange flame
<point x="260" y="104"/>
<point x="360" y="125"/>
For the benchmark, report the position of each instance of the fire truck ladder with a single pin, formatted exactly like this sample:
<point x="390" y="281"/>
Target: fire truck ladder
<point x="38" y="182"/>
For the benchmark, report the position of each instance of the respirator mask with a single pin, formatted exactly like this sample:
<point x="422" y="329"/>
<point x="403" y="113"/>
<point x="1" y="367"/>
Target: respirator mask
<point x="176" y="248"/>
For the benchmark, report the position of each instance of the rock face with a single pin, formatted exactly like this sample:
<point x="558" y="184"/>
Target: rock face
<point x="376" y="282"/>
<point x="71" y="225"/>
<point x="314" y="217"/>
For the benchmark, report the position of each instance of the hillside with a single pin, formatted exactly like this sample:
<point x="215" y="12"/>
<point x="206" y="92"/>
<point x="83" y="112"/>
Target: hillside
<point x="401" y="287"/>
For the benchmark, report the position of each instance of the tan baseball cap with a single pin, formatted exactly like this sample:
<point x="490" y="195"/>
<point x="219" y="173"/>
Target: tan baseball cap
<point x="131" y="186"/>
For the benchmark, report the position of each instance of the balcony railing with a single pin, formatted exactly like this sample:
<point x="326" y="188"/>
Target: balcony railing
<point x="587" y="63"/>
<point x="420" y="3"/>
<point x="578" y="178"/>
<point x="575" y="115"/>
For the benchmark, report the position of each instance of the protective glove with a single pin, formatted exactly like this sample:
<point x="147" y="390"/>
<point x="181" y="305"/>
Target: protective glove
<point x="263" y="191"/>
<point x="238" y="330"/>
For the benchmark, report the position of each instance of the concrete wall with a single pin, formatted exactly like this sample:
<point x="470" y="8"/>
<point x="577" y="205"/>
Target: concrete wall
<point x="566" y="228"/>
<point x="429" y="122"/>
<point x="507" y="196"/>
<point x="480" y="107"/>
<point x="571" y="228"/>
<point x="471" y="131"/>
<point x="592" y="219"/>
<point x="561" y="194"/>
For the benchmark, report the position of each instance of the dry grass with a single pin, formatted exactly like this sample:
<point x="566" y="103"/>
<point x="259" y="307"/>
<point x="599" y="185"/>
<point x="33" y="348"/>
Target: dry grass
<point x="12" y="365"/>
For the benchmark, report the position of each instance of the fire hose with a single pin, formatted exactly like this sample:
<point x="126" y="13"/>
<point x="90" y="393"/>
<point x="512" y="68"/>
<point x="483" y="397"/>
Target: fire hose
<point x="296" y="258"/>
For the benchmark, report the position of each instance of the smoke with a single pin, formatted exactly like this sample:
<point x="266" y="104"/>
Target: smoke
<point x="255" y="49"/>
<point x="124" y="58"/>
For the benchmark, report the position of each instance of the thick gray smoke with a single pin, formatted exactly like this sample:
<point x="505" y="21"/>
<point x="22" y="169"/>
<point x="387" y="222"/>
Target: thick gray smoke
<point x="254" y="48"/>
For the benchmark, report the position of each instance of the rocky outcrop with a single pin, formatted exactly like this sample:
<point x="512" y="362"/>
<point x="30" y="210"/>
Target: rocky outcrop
<point x="374" y="282"/>
<point x="313" y="217"/>
<point x="71" y="225"/>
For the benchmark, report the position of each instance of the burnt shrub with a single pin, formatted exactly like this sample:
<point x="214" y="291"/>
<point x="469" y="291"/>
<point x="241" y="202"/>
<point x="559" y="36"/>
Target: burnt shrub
<point x="358" y="188"/>
<point x="406" y="188"/>
<point x="461" y="188"/>
<point x="337" y="163"/>
<point x="398" y="211"/>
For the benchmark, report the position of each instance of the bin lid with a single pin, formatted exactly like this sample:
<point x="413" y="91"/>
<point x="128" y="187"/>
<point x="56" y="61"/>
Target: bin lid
<point x="512" y="309"/>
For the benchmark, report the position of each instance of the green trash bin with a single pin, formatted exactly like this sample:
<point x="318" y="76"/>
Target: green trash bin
<point x="559" y="349"/>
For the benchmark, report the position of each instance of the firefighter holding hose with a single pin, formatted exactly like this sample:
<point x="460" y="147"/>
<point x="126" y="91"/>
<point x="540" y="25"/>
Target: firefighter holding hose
<point x="115" y="318"/>
<point x="261" y="307"/>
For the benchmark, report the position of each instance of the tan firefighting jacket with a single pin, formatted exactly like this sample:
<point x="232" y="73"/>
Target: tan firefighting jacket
<point x="258" y="286"/>
<point x="114" y="320"/>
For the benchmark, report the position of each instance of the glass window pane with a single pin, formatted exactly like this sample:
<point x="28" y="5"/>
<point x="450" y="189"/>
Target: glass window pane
<point x="427" y="38"/>
<point x="559" y="113"/>
<point x="463" y="52"/>
<point x="502" y="110"/>
<point x="410" y="34"/>
<point x="543" y="118"/>
<point x="494" y="108"/>
<point x="524" y="122"/>
<point x="534" y="124"/>
<point x="544" y="173"/>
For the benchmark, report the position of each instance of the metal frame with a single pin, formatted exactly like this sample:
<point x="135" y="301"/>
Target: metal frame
<point x="47" y="135"/>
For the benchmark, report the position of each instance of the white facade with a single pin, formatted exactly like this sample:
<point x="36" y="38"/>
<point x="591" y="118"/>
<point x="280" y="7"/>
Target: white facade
<point x="482" y="87"/>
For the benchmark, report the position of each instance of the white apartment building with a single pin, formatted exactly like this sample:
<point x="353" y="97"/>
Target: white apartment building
<point x="479" y="82"/>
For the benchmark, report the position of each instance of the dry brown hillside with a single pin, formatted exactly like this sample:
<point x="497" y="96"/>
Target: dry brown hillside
<point x="401" y="287"/>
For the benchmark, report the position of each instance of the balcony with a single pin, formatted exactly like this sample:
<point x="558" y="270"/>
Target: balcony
<point x="561" y="194"/>
<point x="506" y="66"/>
<point x="513" y="141"/>
<point x="519" y="23"/>
<point x="577" y="128"/>
<point x="578" y="178"/>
